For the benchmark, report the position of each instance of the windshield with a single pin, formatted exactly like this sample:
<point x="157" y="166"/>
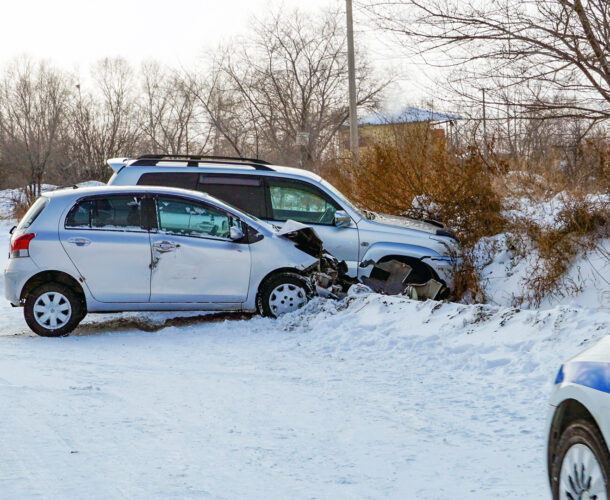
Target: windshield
<point x="343" y="198"/>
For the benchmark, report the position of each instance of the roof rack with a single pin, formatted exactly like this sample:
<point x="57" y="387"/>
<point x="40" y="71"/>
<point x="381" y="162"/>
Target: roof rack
<point x="193" y="160"/>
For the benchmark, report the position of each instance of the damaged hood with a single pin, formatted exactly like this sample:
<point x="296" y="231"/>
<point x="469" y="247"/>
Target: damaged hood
<point x="304" y="237"/>
<point x="396" y="221"/>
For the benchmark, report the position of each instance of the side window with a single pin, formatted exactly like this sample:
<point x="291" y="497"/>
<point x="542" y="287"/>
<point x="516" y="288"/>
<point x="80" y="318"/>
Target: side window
<point x="241" y="191"/>
<point x="188" y="218"/>
<point x="120" y="213"/>
<point x="183" y="180"/>
<point x="300" y="202"/>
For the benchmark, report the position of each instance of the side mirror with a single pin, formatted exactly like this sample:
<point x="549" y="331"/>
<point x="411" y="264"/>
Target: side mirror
<point x="235" y="233"/>
<point x="342" y="219"/>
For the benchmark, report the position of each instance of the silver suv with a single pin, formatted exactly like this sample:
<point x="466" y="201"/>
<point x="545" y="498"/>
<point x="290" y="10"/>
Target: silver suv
<point x="115" y="248"/>
<point x="373" y="245"/>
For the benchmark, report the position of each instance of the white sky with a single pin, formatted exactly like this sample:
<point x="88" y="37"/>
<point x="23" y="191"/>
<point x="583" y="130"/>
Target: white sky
<point x="75" y="33"/>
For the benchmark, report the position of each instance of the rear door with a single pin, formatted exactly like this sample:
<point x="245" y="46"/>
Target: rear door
<point x="104" y="236"/>
<point x="194" y="260"/>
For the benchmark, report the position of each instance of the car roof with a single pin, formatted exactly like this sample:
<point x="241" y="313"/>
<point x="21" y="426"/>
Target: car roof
<point x="216" y="166"/>
<point x="111" y="189"/>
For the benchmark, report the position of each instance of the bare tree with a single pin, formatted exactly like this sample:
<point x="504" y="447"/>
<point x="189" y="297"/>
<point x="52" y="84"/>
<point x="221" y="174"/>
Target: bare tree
<point x="226" y="114"/>
<point x="554" y="51"/>
<point x="33" y="102"/>
<point x="103" y="120"/>
<point x="289" y="77"/>
<point x="171" y="117"/>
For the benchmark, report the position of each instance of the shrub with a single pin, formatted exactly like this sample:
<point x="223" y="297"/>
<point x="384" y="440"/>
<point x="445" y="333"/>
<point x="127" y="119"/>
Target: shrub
<point x="412" y="172"/>
<point x="576" y="230"/>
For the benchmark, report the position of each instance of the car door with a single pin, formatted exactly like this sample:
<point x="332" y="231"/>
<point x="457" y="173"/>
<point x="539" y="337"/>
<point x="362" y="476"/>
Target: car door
<point x="303" y="202"/>
<point x="194" y="260"/>
<point x="104" y="237"/>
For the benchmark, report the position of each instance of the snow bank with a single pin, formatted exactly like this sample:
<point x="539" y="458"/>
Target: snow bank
<point x="504" y="270"/>
<point x="368" y="397"/>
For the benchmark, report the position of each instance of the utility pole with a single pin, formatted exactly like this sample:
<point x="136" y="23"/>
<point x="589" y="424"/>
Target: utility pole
<point x="351" y="74"/>
<point x="484" y="127"/>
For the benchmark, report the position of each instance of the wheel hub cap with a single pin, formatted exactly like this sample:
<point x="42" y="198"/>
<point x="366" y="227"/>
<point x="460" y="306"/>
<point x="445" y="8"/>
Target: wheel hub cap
<point x="286" y="298"/>
<point x="52" y="310"/>
<point x="581" y="476"/>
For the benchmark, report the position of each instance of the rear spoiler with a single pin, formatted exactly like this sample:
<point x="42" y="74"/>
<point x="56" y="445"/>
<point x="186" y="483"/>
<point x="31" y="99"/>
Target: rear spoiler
<point x="117" y="164"/>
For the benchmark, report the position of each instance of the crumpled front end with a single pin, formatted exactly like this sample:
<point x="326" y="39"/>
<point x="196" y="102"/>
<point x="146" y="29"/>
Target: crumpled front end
<point x="329" y="276"/>
<point x="392" y="277"/>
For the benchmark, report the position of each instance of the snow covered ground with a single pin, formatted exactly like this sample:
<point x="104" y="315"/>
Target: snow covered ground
<point x="371" y="397"/>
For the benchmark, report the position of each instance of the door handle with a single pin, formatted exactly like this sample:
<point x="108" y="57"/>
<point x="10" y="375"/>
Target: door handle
<point x="79" y="242"/>
<point x="165" y="246"/>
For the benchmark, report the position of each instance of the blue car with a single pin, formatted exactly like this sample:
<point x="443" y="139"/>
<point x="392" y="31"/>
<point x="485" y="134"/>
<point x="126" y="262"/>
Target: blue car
<point x="579" y="427"/>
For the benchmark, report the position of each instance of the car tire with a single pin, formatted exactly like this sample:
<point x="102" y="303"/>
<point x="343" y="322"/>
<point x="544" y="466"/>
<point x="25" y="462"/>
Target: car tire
<point x="580" y="439"/>
<point x="282" y="293"/>
<point x="53" y="310"/>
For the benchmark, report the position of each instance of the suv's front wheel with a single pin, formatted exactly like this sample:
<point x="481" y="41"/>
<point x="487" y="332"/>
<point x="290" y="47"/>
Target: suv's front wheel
<point x="53" y="310"/>
<point x="282" y="293"/>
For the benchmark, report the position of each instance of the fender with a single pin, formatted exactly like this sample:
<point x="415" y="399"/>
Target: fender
<point x="379" y="250"/>
<point x="596" y="402"/>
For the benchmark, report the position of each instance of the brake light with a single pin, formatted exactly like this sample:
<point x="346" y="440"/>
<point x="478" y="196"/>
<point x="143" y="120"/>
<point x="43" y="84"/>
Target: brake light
<point x="20" y="246"/>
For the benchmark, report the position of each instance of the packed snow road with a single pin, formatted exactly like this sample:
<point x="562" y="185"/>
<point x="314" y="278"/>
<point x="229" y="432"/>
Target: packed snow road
<point x="371" y="397"/>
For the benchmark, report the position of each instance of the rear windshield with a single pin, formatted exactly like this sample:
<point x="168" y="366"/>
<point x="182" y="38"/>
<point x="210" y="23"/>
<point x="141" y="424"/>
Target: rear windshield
<point x="33" y="213"/>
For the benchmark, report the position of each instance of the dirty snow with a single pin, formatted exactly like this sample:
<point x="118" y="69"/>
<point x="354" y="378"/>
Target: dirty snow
<point x="370" y="397"/>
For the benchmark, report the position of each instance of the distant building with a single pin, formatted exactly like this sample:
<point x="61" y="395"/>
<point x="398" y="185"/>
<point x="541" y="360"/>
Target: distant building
<point x="381" y="125"/>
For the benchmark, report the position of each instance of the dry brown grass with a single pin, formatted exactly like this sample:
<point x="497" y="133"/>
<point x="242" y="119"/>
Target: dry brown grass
<point x="414" y="173"/>
<point x="20" y="206"/>
<point x="578" y="228"/>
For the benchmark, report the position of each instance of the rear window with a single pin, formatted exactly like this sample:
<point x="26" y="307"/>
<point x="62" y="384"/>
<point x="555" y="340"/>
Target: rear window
<point x="184" y="180"/>
<point x="33" y="213"/>
<point x="246" y="192"/>
<point x="111" y="213"/>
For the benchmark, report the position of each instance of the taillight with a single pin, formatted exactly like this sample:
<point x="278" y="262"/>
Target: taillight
<point x="20" y="246"/>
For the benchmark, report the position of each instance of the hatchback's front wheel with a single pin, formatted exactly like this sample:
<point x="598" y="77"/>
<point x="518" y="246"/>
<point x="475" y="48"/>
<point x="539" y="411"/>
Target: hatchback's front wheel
<point x="283" y="293"/>
<point x="53" y="310"/>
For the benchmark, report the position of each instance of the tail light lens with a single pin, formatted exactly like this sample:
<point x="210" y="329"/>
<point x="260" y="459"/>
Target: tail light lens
<point x="20" y="246"/>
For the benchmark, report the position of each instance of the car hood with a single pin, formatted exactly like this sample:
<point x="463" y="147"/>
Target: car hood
<point x="395" y="221"/>
<point x="599" y="352"/>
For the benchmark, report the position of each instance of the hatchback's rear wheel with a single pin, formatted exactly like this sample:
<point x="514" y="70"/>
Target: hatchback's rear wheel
<point x="283" y="293"/>
<point x="582" y="467"/>
<point x="53" y="310"/>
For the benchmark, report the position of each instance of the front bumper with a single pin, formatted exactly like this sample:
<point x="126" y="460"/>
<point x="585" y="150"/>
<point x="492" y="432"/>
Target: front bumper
<point x="444" y="267"/>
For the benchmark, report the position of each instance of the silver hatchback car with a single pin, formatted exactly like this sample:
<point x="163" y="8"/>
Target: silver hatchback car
<point x="137" y="248"/>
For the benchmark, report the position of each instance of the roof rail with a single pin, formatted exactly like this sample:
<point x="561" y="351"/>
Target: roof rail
<point x="193" y="160"/>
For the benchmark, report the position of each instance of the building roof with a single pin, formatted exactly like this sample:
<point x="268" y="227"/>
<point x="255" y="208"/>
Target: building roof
<point x="408" y="114"/>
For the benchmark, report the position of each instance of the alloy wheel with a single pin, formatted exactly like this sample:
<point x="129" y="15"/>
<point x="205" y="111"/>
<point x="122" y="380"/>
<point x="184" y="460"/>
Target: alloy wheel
<point x="52" y="310"/>
<point x="581" y="476"/>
